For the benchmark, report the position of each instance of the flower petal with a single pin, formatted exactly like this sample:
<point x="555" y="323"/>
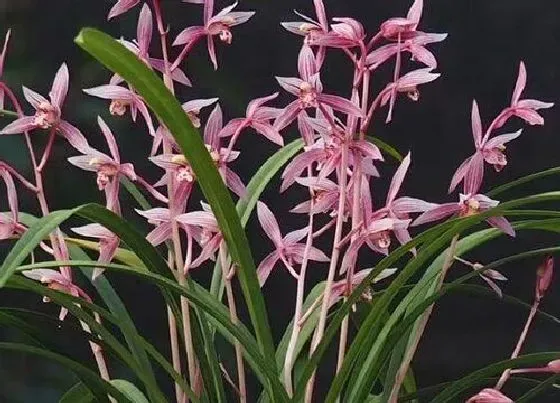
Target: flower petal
<point x="60" y="86"/>
<point x="520" y="85"/>
<point x="397" y="180"/>
<point x="20" y="125"/>
<point x="437" y="213"/>
<point x="74" y="137"/>
<point x="269" y="224"/>
<point x="144" y="30"/>
<point x="121" y="7"/>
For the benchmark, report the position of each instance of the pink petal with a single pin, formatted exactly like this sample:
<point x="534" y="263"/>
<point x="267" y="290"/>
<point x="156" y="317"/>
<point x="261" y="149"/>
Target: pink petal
<point x="74" y="137"/>
<point x="296" y="236"/>
<point x="156" y="215"/>
<point x="397" y="180"/>
<point x="234" y="126"/>
<point x="288" y="115"/>
<point x="266" y="266"/>
<point x="534" y="104"/>
<point x="196" y="105"/>
<point x="203" y="219"/>
<point x="121" y="7"/>
<point x="139" y="103"/>
<point x="84" y="161"/>
<point x="4" y="50"/>
<point x="159" y="234"/>
<point x="351" y="254"/>
<point x="406" y="205"/>
<point x="212" y="51"/>
<point x="297" y="165"/>
<point x="144" y="30"/>
<point x="530" y="116"/>
<point x="44" y="275"/>
<point x="269" y="132"/>
<point x="306" y="63"/>
<point x="489" y="396"/>
<point x="437" y="213"/>
<point x="111" y="142"/>
<point x="502" y="139"/>
<point x="476" y="124"/>
<point x="502" y="224"/>
<point x="60" y="86"/>
<point x="12" y="194"/>
<point x="474" y="174"/>
<point x="34" y="98"/>
<point x="257" y="103"/>
<point x="234" y="182"/>
<point x="460" y="174"/>
<point x="544" y="276"/>
<point x="177" y="74"/>
<point x="213" y="127"/>
<point x="423" y="55"/>
<point x="93" y="231"/>
<point x="112" y="92"/>
<point x="189" y="35"/>
<point x="20" y="125"/>
<point x="368" y="150"/>
<point x="290" y="84"/>
<point x="340" y="104"/>
<point x="381" y="55"/>
<point x="208" y="251"/>
<point x="269" y="224"/>
<point x="422" y="38"/>
<point x="417" y="77"/>
<point x="520" y="85"/>
<point x="415" y="11"/>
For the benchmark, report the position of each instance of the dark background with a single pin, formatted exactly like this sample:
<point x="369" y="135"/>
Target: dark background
<point x="478" y="60"/>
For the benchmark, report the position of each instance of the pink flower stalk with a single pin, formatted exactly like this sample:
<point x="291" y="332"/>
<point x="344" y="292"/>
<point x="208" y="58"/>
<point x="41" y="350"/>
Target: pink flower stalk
<point x="288" y="249"/>
<point x="141" y="46"/>
<point x="468" y="205"/>
<point x="416" y="46"/>
<point x="544" y="277"/>
<point x="309" y="92"/>
<point x="121" y="7"/>
<point x="471" y="171"/>
<point x="489" y="395"/>
<point x="402" y="28"/>
<point x="218" y="25"/>
<point x="56" y="281"/>
<point x="108" y="168"/>
<point x="2" y="60"/>
<point x="121" y="99"/>
<point x="553" y="367"/>
<point x="48" y="113"/>
<point x="257" y="117"/>
<point x="407" y="84"/>
<point x="376" y="234"/>
<point x="525" y="109"/>
<point x="108" y="244"/>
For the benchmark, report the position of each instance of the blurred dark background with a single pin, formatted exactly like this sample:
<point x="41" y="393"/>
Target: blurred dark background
<point x="480" y="58"/>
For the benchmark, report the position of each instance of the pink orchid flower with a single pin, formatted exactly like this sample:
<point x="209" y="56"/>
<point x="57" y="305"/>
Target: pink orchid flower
<point x="376" y="234"/>
<point x="108" y="243"/>
<point x="407" y="84"/>
<point x="56" y="281"/>
<point x="257" y="117"/>
<point x="489" y="395"/>
<point x="48" y="113"/>
<point x="415" y="45"/>
<point x="108" y="168"/>
<point x="141" y="46"/>
<point x="308" y="28"/>
<point x="487" y="150"/>
<point x="121" y="7"/>
<point x="488" y="275"/>
<point x="468" y="205"/>
<point x="288" y="249"/>
<point x="399" y="27"/>
<point x="218" y="25"/>
<point x="121" y="99"/>
<point x="402" y="207"/>
<point x="309" y="92"/>
<point x="2" y="60"/>
<point x="340" y="288"/>
<point x="326" y="194"/>
<point x="178" y="170"/>
<point x="525" y="109"/>
<point x="163" y="219"/>
<point x="345" y="34"/>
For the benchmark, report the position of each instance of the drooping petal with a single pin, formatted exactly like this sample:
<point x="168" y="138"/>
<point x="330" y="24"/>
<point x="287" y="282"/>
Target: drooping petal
<point x="474" y="174"/>
<point x="74" y="137"/>
<point x="290" y="84"/>
<point x="234" y="126"/>
<point x="11" y="193"/>
<point x="530" y="116"/>
<point x="269" y="224"/>
<point x="406" y="205"/>
<point x="340" y="104"/>
<point x="189" y="35"/>
<point x="159" y="234"/>
<point x="296" y="236"/>
<point x="460" y="174"/>
<point x="489" y="396"/>
<point x="502" y="224"/>
<point x="437" y="213"/>
<point x="60" y="86"/>
<point x="44" y="275"/>
<point x="121" y="7"/>
<point x="234" y="182"/>
<point x="423" y="55"/>
<point x="212" y="51"/>
<point x="177" y="74"/>
<point x="269" y="132"/>
<point x="381" y="55"/>
<point x="266" y="266"/>
<point x="20" y="125"/>
<point x="288" y="115"/>
<point x="297" y="165"/>
<point x="93" y="231"/>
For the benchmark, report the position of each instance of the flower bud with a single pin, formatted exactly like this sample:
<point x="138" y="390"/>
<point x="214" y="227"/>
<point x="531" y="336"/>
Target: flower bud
<point x="544" y="276"/>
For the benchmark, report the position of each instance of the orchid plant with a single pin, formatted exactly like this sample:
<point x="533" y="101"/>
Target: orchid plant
<point x="332" y="164"/>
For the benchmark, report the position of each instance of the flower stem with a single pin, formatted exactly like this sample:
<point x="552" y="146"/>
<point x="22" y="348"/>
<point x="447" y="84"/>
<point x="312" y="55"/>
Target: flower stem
<point x="319" y="331"/>
<point x="405" y="363"/>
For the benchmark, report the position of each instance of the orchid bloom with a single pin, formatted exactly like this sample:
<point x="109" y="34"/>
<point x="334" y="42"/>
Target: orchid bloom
<point x="222" y="156"/>
<point x="108" y="243"/>
<point x="489" y="395"/>
<point x="326" y="196"/>
<point x="48" y="113"/>
<point x="345" y="34"/>
<point x="288" y="249"/>
<point x="340" y="288"/>
<point x="487" y="150"/>
<point x="108" y="168"/>
<point x="257" y="117"/>
<point x="468" y="205"/>
<point x="525" y="109"/>
<point x="141" y="46"/>
<point x="488" y="275"/>
<point x="416" y="46"/>
<point x="218" y="25"/>
<point x="308" y="28"/>
<point x="407" y="84"/>
<point x="162" y="218"/>
<point x="376" y="233"/>
<point x="122" y="98"/>
<point x="56" y="281"/>
<point x="402" y="207"/>
<point x="403" y="28"/>
<point x="309" y="92"/>
<point x="177" y="169"/>
<point x="9" y="225"/>
<point x="2" y="60"/>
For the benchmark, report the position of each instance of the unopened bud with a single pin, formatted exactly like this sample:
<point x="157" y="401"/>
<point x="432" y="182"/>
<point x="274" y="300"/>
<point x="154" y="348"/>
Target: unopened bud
<point x="544" y="276"/>
<point x="554" y="366"/>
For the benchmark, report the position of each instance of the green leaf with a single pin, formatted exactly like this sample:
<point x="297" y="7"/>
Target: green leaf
<point x="530" y="395"/>
<point x="477" y="378"/>
<point x="523" y="180"/>
<point x="135" y="193"/>
<point x="129" y="390"/>
<point x="122" y="255"/>
<point x="383" y="146"/>
<point x="79" y="393"/>
<point x="168" y="110"/>
<point x="95" y="384"/>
